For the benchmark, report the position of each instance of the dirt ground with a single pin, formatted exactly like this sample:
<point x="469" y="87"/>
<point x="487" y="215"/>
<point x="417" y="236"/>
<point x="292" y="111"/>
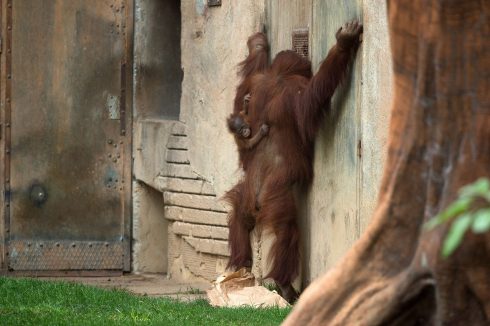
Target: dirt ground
<point x="154" y="285"/>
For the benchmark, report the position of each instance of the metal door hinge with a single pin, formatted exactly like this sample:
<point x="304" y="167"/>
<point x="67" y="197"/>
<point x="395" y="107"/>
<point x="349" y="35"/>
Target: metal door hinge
<point x="122" y="101"/>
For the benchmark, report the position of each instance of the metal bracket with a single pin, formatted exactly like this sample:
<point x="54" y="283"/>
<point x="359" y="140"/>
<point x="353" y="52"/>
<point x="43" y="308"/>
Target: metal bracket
<point x="300" y="42"/>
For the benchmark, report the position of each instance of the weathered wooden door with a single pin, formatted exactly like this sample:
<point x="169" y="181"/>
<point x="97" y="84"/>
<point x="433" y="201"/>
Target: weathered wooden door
<point x="67" y="139"/>
<point x="336" y="198"/>
<point x="350" y="146"/>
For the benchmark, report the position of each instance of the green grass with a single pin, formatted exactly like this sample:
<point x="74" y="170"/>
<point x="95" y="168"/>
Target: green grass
<point x="33" y="302"/>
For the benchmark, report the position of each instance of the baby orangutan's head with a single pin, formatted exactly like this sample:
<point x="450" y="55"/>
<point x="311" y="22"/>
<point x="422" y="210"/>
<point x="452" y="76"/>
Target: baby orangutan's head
<point x="237" y="125"/>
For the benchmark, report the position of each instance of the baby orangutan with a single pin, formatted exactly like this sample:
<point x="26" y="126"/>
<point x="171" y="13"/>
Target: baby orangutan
<point x="240" y="126"/>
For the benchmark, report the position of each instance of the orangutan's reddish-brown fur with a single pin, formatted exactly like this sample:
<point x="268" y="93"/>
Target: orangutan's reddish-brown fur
<point x="292" y="103"/>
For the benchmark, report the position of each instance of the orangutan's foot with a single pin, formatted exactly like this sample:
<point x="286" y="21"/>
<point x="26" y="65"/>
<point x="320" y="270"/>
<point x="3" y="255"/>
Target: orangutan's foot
<point x="288" y="293"/>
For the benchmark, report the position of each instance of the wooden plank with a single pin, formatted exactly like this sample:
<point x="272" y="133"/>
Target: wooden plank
<point x="377" y="95"/>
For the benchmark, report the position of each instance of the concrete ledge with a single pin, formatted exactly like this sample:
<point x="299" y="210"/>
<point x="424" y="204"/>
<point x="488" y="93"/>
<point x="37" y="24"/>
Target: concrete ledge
<point x="154" y="285"/>
<point x="150" y="154"/>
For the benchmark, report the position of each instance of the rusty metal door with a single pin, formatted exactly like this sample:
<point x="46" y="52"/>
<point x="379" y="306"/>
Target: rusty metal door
<point x="67" y="177"/>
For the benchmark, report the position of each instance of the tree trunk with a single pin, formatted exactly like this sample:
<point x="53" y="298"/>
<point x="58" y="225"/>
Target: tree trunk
<point x="439" y="141"/>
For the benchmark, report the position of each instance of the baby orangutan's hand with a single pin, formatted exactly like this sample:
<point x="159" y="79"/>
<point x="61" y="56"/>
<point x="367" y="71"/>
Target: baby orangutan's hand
<point x="264" y="129"/>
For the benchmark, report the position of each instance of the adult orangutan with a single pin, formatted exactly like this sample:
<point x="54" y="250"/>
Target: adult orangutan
<point x="292" y="103"/>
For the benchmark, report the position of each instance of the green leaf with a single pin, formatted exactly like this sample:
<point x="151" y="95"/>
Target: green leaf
<point x="459" y="206"/>
<point x="456" y="234"/>
<point x="487" y="196"/>
<point x="481" y="187"/>
<point x="481" y="222"/>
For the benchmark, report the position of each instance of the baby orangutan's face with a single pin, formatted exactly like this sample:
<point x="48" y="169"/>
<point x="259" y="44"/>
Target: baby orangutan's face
<point x="245" y="131"/>
<point x="238" y="126"/>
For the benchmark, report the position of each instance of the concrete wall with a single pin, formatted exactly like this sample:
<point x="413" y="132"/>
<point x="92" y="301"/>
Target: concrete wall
<point x="192" y="163"/>
<point x="157" y="79"/>
<point x="150" y="227"/>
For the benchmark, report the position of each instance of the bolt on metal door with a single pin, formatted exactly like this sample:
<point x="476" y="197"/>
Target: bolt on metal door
<point x="67" y="149"/>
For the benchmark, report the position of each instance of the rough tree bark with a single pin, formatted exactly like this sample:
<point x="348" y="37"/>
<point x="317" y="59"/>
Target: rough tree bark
<point x="439" y="141"/>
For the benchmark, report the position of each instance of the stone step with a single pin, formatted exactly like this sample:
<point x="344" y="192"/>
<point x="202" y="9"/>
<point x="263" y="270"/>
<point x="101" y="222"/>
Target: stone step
<point x="193" y="201"/>
<point x="177" y="156"/>
<point x="190" y="263"/>
<point x="195" y="186"/>
<point x="179" y="129"/>
<point x="200" y="231"/>
<point x="190" y="215"/>
<point x="179" y="171"/>
<point x="208" y="246"/>
<point x="177" y="142"/>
